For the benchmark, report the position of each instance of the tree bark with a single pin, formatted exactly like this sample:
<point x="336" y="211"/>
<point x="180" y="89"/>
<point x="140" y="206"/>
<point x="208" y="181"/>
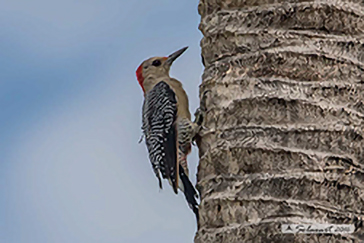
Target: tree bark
<point x="285" y="118"/>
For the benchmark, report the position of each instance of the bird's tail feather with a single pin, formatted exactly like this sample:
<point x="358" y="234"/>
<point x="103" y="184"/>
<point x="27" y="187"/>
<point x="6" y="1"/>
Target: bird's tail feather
<point x="189" y="191"/>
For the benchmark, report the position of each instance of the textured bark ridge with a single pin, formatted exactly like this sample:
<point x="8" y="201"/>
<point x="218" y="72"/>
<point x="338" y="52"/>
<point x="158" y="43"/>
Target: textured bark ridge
<point x="285" y="119"/>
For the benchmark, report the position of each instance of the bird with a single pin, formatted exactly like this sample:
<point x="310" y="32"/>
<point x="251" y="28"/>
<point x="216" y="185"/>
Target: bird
<point x="167" y="126"/>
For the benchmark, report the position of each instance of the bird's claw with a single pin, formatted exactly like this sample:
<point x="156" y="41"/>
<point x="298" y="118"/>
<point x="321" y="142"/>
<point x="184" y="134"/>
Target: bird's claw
<point x="198" y="116"/>
<point x="199" y="113"/>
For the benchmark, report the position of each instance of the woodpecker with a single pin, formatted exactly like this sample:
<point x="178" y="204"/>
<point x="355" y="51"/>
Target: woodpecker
<point x="167" y="125"/>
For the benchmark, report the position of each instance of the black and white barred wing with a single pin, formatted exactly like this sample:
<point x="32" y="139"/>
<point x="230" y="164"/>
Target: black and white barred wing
<point x="159" y="116"/>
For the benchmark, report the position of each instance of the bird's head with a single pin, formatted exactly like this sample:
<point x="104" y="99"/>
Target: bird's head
<point x="157" y="66"/>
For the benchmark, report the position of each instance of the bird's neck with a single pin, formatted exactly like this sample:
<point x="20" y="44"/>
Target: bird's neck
<point x="152" y="79"/>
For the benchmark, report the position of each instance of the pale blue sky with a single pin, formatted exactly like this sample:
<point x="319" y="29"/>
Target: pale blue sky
<point x="71" y="168"/>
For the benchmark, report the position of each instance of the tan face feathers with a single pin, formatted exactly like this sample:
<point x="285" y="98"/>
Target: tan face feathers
<point x="157" y="66"/>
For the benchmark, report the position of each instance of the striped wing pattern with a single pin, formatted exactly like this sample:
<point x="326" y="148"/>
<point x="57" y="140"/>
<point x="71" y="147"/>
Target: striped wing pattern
<point x="159" y="127"/>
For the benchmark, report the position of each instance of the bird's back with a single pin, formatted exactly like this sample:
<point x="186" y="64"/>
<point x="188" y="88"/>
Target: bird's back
<point x="183" y="105"/>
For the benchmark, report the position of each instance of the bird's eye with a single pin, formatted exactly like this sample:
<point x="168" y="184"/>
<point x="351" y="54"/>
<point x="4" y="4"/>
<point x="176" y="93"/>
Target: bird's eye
<point x="156" y="63"/>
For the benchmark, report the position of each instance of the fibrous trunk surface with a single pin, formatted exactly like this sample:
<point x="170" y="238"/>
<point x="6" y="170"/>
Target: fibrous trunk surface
<point x="285" y="118"/>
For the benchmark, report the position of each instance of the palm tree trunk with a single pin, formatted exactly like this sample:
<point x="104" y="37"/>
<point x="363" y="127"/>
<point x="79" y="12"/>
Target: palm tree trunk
<point x="285" y="119"/>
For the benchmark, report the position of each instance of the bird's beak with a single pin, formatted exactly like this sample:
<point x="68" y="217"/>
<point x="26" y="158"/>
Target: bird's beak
<point x="171" y="58"/>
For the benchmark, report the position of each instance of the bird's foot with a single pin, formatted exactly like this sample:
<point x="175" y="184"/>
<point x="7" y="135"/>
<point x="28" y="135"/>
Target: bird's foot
<point x="200" y="116"/>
